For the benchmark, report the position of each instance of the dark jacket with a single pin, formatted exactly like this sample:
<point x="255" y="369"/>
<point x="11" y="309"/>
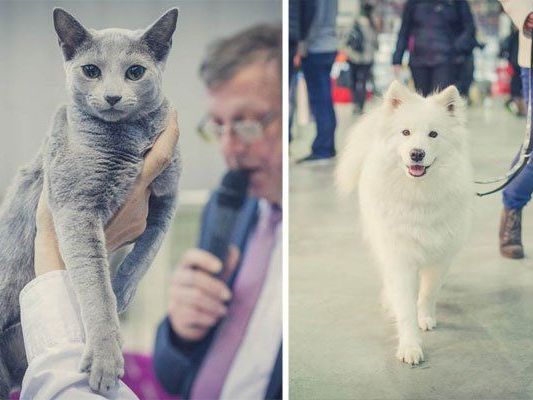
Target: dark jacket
<point x="176" y="362"/>
<point x="301" y="14"/>
<point x="443" y="31"/>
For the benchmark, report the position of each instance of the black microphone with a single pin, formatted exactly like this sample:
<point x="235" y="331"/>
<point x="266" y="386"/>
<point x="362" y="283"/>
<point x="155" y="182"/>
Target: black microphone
<point x="230" y="197"/>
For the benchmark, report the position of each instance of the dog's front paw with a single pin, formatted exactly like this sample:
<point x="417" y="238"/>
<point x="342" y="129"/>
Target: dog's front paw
<point x="426" y="323"/>
<point x="104" y="362"/>
<point x="410" y="352"/>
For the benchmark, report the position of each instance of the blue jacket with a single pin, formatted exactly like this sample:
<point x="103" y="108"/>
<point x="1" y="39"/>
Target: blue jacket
<point x="176" y="362"/>
<point x="443" y="31"/>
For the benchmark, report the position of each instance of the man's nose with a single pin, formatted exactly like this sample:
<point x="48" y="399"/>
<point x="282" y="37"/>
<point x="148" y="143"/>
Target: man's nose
<point x="232" y="142"/>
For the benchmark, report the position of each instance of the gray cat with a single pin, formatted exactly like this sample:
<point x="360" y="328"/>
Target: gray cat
<point x="87" y="166"/>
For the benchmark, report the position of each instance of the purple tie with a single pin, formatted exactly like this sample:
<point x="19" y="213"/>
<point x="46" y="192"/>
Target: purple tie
<point x="246" y="289"/>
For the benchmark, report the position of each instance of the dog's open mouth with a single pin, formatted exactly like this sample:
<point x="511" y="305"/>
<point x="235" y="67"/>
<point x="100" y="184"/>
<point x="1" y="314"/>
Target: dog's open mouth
<point x="416" y="171"/>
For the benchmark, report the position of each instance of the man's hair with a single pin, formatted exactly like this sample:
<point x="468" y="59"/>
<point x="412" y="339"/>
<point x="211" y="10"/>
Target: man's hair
<point x="227" y="56"/>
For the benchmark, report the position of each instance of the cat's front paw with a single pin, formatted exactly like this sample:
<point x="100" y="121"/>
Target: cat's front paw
<point x="104" y="362"/>
<point x="410" y="352"/>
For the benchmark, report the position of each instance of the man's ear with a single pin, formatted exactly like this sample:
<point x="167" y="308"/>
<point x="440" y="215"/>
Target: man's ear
<point x="451" y="100"/>
<point x="71" y="34"/>
<point x="397" y="94"/>
<point x="158" y="37"/>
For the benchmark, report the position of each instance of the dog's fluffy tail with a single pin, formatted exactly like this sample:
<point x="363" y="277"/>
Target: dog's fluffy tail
<point x="350" y="164"/>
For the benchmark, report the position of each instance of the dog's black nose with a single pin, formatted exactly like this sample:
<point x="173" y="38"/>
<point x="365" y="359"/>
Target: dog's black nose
<point x="417" y="155"/>
<point x="112" y="100"/>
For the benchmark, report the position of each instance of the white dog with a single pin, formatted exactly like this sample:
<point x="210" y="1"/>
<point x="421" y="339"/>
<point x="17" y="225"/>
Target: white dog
<point x="409" y="158"/>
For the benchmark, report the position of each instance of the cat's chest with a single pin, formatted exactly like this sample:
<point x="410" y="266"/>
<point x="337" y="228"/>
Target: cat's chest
<point x="96" y="170"/>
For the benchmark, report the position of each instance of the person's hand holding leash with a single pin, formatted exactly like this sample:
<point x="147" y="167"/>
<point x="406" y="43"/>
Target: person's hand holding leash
<point x="129" y="222"/>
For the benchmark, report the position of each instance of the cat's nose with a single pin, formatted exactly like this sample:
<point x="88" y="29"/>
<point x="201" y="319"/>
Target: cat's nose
<point x="112" y="100"/>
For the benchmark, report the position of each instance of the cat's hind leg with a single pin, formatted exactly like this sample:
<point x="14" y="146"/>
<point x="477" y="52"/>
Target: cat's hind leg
<point x="137" y="262"/>
<point x="13" y="354"/>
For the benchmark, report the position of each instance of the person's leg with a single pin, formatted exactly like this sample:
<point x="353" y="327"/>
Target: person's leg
<point x="293" y="46"/>
<point x="363" y="71"/>
<point x="515" y="196"/>
<point x="518" y="192"/>
<point x="516" y="82"/>
<point x="317" y="68"/>
<point x="353" y="74"/>
<point x="516" y="103"/>
<point x="468" y="76"/>
<point x="421" y="77"/>
<point x="464" y="76"/>
<point x="442" y="76"/>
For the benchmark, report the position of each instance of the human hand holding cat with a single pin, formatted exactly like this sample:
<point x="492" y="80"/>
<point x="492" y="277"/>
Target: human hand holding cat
<point x="129" y="222"/>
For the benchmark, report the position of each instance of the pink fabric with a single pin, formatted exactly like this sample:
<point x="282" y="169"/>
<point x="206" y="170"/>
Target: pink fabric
<point x="246" y="290"/>
<point x="139" y="377"/>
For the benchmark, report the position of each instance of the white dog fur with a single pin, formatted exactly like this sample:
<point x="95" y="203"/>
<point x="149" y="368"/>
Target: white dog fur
<point x="415" y="214"/>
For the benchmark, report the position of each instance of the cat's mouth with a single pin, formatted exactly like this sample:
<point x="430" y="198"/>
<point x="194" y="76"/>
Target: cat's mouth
<point x="112" y="114"/>
<point x="112" y="110"/>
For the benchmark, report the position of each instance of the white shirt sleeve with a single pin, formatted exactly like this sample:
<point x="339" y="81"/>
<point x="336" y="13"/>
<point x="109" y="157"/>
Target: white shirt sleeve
<point x="54" y="342"/>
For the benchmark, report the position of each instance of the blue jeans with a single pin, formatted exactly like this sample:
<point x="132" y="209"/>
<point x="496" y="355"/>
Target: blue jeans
<point x="316" y="68"/>
<point x="518" y="192"/>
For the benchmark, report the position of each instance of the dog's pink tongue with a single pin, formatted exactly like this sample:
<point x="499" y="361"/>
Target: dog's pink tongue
<point x="416" y="170"/>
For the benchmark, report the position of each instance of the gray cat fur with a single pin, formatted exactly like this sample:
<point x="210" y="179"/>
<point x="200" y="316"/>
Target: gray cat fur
<point x="87" y="166"/>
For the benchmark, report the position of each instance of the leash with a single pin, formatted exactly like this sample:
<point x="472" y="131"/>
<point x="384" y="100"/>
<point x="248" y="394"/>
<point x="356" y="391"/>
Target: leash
<point x="525" y="150"/>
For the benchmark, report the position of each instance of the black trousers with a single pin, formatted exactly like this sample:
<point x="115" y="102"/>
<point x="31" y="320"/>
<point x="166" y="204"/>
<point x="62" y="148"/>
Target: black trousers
<point x="360" y="74"/>
<point x="430" y="79"/>
<point x="465" y="75"/>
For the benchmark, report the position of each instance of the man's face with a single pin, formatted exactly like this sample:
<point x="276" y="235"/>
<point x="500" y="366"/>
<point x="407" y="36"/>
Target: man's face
<point x="253" y="93"/>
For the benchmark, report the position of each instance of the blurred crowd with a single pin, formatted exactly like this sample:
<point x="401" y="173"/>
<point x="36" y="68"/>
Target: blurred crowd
<point x="435" y="43"/>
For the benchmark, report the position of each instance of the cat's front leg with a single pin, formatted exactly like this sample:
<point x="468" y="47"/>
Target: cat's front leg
<point x="82" y="245"/>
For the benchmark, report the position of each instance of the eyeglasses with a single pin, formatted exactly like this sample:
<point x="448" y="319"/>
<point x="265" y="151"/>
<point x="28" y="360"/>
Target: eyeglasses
<point x="246" y="130"/>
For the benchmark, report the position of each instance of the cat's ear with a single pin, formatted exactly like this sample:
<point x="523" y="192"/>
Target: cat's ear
<point x="70" y="32"/>
<point x="158" y="37"/>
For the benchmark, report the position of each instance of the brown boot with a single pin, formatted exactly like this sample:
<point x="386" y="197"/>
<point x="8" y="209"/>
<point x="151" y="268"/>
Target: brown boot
<point x="511" y="233"/>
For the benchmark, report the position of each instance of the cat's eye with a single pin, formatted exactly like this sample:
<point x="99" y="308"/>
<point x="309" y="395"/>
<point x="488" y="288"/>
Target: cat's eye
<point x="135" y="72"/>
<point x="433" y="134"/>
<point x="406" y="132"/>
<point x="91" y="71"/>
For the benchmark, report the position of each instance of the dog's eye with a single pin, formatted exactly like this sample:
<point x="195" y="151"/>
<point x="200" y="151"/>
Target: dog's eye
<point x="433" y="134"/>
<point x="406" y="132"/>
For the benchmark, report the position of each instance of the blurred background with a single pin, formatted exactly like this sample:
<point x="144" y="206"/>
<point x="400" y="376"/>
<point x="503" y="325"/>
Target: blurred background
<point x="492" y="28"/>
<point x="32" y="88"/>
<point x="494" y="77"/>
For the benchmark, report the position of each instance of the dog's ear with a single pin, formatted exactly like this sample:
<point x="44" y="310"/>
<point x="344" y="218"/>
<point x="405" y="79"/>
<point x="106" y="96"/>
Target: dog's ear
<point x="451" y="99"/>
<point x="397" y="94"/>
